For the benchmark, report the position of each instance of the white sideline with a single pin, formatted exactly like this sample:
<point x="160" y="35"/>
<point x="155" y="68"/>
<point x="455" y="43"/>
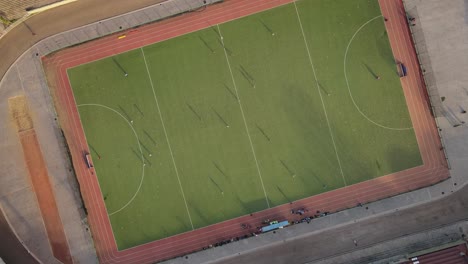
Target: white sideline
<point x="347" y="83"/>
<point x="139" y="147"/>
<point x="318" y="89"/>
<point x="167" y="138"/>
<point x="243" y="117"/>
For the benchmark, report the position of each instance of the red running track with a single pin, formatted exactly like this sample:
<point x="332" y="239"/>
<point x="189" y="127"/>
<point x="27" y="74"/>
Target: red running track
<point x="433" y="170"/>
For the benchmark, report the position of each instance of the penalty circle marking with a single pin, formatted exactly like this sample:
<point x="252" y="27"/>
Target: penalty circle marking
<point x="139" y="147"/>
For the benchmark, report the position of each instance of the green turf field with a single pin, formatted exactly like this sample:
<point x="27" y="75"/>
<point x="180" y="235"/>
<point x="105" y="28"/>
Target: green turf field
<point x="287" y="109"/>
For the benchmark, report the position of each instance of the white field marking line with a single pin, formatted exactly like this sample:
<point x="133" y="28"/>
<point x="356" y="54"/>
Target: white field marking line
<point x="47" y="109"/>
<point x="347" y="83"/>
<point x="139" y="146"/>
<point x="93" y="191"/>
<point x="96" y="194"/>
<point x="423" y="121"/>
<point x="243" y="117"/>
<point x="420" y="116"/>
<point x="167" y="138"/>
<point x="209" y="235"/>
<point x="416" y="112"/>
<point x="21" y="79"/>
<point x="419" y="119"/>
<point x="390" y="36"/>
<point x="149" y="242"/>
<point x="113" y="44"/>
<point x="320" y="94"/>
<point x="433" y="138"/>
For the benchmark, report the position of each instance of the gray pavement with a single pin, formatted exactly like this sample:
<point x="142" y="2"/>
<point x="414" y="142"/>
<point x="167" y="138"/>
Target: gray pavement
<point x="60" y="19"/>
<point x="441" y="40"/>
<point x="331" y="246"/>
<point x="325" y="238"/>
<point x="403" y="247"/>
<point x="25" y="76"/>
<point x="330" y="239"/>
<point x="12" y="250"/>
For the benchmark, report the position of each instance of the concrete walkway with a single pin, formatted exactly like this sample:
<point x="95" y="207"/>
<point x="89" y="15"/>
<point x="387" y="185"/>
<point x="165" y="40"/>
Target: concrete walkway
<point x="26" y="77"/>
<point x="441" y="38"/>
<point x="440" y="34"/>
<point x="326" y="240"/>
<point x="60" y="19"/>
<point x="12" y="250"/>
<point x="21" y="72"/>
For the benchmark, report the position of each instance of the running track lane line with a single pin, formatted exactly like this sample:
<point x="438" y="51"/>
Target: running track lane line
<point x="61" y="76"/>
<point x="415" y="109"/>
<point x="139" y="148"/>
<point x="347" y="82"/>
<point x="146" y="38"/>
<point x="413" y="80"/>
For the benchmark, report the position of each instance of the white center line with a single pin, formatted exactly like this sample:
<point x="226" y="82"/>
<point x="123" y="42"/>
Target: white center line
<point x="167" y="138"/>
<point x="243" y="117"/>
<point x="321" y="98"/>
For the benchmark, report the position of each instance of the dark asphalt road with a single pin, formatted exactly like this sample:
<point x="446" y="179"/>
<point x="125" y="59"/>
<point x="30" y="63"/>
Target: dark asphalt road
<point x="60" y="19"/>
<point x="20" y="38"/>
<point x="368" y="232"/>
<point x="451" y="209"/>
<point x="11" y="250"/>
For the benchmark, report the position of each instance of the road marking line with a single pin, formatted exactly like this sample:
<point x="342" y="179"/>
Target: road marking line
<point x="243" y="117"/>
<point x="167" y="138"/>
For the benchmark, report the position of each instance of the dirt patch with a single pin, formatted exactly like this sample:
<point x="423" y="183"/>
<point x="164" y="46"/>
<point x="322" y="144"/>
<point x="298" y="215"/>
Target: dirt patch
<point x="20" y="113"/>
<point x="40" y="178"/>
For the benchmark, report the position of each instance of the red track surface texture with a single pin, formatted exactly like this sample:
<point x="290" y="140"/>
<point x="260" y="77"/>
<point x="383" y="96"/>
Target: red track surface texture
<point x="434" y="169"/>
<point x="452" y="255"/>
